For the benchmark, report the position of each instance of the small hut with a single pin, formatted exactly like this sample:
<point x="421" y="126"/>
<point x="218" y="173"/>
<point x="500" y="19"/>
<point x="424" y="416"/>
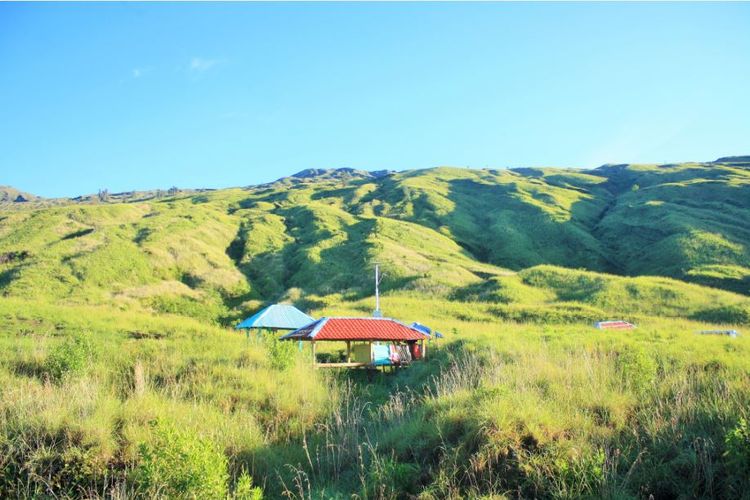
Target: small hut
<point x="728" y="333"/>
<point x="276" y="317"/>
<point x="370" y="342"/>
<point x="614" y="325"/>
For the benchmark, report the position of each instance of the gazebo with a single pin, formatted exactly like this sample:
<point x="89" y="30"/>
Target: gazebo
<point x="370" y="342"/>
<point x="276" y="317"/>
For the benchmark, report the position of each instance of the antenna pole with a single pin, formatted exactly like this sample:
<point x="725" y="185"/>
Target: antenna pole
<point x="377" y="288"/>
<point x="377" y="312"/>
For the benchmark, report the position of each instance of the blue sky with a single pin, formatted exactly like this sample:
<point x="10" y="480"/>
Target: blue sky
<point x="138" y="96"/>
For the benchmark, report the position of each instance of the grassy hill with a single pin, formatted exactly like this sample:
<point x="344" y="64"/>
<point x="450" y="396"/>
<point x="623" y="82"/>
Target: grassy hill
<point x="687" y="221"/>
<point x="116" y="357"/>
<point x="434" y="231"/>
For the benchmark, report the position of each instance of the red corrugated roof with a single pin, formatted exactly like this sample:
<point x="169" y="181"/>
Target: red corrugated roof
<point x="614" y="325"/>
<point x="356" y="329"/>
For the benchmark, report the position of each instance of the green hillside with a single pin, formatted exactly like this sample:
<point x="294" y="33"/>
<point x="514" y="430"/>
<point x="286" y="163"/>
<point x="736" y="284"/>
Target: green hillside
<point x="687" y="221"/>
<point x="122" y="379"/>
<point x="434" y="231"/>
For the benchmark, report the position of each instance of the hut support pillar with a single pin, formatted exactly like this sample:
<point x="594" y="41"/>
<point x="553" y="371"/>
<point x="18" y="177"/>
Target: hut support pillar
<point x="348" y="351"/>
<point x="312" y="345"/>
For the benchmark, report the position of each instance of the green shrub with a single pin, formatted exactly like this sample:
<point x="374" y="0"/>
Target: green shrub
<point x="69" y="358"/>
<point x="637" y="368"/>
<point x="737" y="442"/>
<point x="244" y="489"/>
<point x="574" y="477"/>
<point x="178" y="464"/>
<point x="281" y="353"/>
<point x="387" y="477"/>
<point x="32" y="466"/>
<point x="553" y="472"/>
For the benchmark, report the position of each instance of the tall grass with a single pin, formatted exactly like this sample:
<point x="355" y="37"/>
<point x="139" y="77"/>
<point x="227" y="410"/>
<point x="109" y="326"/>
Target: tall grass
<point x="500" y="408"/>
<point x="546" y="421"/>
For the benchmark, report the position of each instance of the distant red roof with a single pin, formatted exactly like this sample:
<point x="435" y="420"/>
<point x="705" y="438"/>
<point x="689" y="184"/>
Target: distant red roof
<point x="614" y="325"/>
<point x="356" y="329"/>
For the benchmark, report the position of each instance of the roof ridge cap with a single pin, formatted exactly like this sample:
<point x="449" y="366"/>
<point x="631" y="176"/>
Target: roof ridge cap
<point x="321" y="322"/>
<point x="362" y="317"/>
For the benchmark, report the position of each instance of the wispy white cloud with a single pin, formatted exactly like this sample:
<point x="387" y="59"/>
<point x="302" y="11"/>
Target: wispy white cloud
<point x="200" y="64"/>
<point x="139" y="72"/>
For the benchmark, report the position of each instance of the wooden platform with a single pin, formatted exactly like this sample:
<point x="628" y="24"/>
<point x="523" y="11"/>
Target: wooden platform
<point x="342" y="365"/>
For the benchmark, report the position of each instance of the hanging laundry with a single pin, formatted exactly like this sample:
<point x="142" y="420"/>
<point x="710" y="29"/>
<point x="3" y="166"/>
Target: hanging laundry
<point x="404" y="354"/>
<point x="394" y="354"/>
<point x="416" y="352"/>
<point x="381" y="355"/>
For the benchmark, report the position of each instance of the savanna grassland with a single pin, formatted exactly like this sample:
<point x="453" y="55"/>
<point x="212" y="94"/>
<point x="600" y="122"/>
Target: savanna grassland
<point x="121" y="375"/>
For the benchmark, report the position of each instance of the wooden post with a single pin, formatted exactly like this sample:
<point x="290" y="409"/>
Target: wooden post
<point x="348" y="351"/>
<point x="424" y="349"/>
<point x="314" y="360"/>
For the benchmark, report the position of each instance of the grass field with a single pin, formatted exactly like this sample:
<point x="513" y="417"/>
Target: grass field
<point x="121" y="375"/>
<point x="501" y="408"/>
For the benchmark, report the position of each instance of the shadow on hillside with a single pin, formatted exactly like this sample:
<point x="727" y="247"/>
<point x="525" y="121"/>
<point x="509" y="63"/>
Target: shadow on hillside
<point x="347" y="194"/>
<point x="78" y="234"/>
<point x="507" y="225"/>
<point x="674" y="219"/>
<point x="307" y="260"/>
<point x="8" y="276"/>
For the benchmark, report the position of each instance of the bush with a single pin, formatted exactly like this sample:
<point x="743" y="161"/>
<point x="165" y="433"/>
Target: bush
<point x="583" y="475"/>
<point x="281" y="353"/>
<point x="637" y="368"/>
<point x="737" y="443"/>
<point x="244" y="489"/>
<point x="69" y="358"/>
<point x="178" y="464"/>
<point x="387" y="477"/>
<point x="557" y="476"/>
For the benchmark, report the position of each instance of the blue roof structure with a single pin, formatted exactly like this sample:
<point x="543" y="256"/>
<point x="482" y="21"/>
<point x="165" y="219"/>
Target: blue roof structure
<point x="426" y="330"/>
<point x="278" y="316"/>
<point x="730" y="333"/>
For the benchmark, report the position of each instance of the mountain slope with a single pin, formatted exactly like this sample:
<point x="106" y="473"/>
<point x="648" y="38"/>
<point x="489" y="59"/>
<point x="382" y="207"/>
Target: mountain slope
<point x="688" y="221"/>
<point x="447" y="232"/>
